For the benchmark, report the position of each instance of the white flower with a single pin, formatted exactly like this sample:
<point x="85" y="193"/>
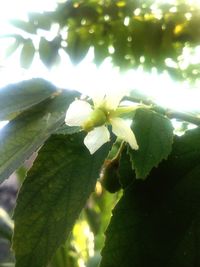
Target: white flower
<point x="94" y="118"/>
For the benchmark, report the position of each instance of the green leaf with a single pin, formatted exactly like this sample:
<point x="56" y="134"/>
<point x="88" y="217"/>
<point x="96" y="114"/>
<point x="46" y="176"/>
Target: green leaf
<point x="42" y="20"/>
<point x="52" y="196"/>
<point x="15" y="98"/>
<point x="25" y="134"/>
<point x="157" y="221"/>
<point x="6" y="225"/>
<point x="126" y="173"/>
<point x="27" y="54"/>
<point x="65" y="256"/>
<point x="100" y="52"/>
<point x="12" y="48"/>
<point x="9" y="264"/>
<point x="65" y="129"/>
<point x="23" y="25"/>
<point x="139" y="39"/>
<point x="77" y="47"/>
<point x="154" y="134"/>
<point x="48" y="51"/>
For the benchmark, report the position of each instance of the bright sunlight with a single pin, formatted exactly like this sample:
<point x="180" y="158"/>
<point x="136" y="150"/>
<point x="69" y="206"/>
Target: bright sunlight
<point x="86" y="76"/>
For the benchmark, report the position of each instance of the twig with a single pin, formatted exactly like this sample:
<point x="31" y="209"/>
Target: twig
<point x="172" y="114"/>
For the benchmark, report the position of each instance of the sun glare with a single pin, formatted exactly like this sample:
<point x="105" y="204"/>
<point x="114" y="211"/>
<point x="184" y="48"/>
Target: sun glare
<point x="3" y="123"/>
<point x="19" y="8"/>
<point x="86" y="76"/>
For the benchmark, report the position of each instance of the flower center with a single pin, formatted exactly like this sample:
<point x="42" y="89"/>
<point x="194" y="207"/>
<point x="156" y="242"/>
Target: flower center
<point x="97" y="118"/>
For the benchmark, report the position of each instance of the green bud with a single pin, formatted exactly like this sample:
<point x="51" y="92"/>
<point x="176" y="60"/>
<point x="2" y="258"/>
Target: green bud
<point x="97" y="118"/>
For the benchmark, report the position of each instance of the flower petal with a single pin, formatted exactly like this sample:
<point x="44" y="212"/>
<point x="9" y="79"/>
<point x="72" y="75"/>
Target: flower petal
<point x="77" y="113"/>
<point x="121" y="129"/>
<point x="96" y="138"/>
<point x="113" y="98"/>
<point x="97" y="97"/>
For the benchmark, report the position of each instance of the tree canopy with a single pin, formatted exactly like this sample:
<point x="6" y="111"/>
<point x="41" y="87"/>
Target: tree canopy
<point x="150" y="34"/>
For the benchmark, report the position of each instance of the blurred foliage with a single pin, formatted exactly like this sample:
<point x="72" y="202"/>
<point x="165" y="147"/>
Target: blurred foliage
<point x="6" y="225"/>
<point x="132" y="33"/>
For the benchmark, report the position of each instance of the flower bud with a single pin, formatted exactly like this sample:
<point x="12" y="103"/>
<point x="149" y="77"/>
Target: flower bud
<point x="110" y="176"/>
<point x="97" y="118"/>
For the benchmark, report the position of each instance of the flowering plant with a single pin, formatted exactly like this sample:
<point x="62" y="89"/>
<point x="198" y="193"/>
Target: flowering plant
<point x="64" y="174"/>
<point x="94" y="119"/>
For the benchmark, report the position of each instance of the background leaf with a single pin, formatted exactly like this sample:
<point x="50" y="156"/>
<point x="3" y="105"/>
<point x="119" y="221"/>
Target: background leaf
<point x="27" y="54"/>
<point x="154" y="134"/>
<point x="15" y="98"/>
<point x="48" y="51"/>
<point x="23" y="25"/>
<point x="43" y="21"/>
<point x="25" y="134"/>
<point x="157" y="221"/>
<point x="12" y="48"/>
<point x="78" y="45"/>
<point x="6" y="225"/>
<point x="52" y="196"/>
<point x="130" y="33"/>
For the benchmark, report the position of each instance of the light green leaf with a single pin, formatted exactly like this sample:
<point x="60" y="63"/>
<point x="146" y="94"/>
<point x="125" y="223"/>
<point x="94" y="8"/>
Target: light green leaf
<point x="154" y="134"/>
<point x="6" y="225"/>
<point x="44" y="20"/>
<point x="12" y="48"/>
<point x="27" y="54"/>
<point x="9" y="264"/>
<point x="157" y="221"/>
<point x="25" y="134"/>
<point x="15" y="98"/>
<point x="23" y="25"/>
<point x="52" y="196"/>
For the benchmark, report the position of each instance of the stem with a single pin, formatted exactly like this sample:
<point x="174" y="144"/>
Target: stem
<point x="172" y="114"/>
<point x="183" y="116"/>
<point x="123" y="110"/>
<point x="118" y="155"/>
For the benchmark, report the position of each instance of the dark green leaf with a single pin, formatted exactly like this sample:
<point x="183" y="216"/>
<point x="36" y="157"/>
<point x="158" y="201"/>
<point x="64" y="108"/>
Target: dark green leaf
<point x="154" y="134"/>
<point x="52" y="196"/>
<point x="65" y="129"/>
<point x="126" y="173"/>
<point x="22" y="136"/>
<point x="27" y="54"/>
<point x="15" y="98"/>
<point x="157" y="221"/>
